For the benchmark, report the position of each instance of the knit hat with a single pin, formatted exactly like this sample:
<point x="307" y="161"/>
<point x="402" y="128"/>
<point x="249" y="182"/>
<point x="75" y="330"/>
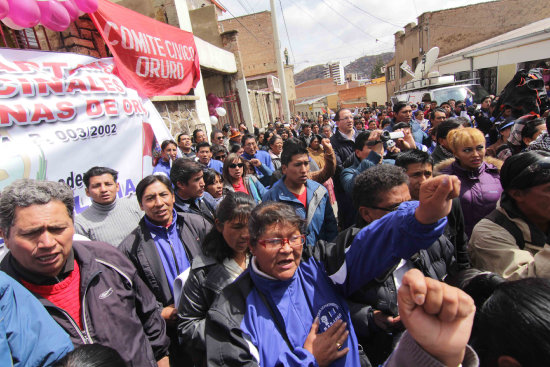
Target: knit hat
<point x="525" y="170"/>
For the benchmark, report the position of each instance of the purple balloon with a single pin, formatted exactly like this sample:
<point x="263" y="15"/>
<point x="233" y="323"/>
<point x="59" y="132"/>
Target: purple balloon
<point x="4" y="8"/>
<point x="53" y="15"/>
<point x="71" y="8"/>
<point x="87" y="6"/>
<point x="24" y="13"/>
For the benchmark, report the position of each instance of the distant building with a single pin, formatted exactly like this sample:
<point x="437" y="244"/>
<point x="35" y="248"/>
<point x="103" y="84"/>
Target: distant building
<point x="335" y="71"/>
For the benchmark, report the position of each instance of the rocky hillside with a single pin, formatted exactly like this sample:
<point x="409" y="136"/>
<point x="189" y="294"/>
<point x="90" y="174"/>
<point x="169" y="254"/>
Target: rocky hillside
<point x="366" y="67"/>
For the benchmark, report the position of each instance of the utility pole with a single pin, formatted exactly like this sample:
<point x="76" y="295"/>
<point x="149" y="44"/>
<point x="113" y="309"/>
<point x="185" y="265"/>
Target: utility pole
<point x="280" y="67"/>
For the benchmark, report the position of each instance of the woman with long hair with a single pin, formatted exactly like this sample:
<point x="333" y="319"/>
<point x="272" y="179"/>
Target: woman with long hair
<point x="225" y="257"/>
<point x="275" y="150"/>
<point x="235" y="178"/>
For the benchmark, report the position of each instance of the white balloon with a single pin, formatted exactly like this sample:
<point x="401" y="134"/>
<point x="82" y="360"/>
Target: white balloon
<point x="221" y="111"/>
<point x="213" y="120"/>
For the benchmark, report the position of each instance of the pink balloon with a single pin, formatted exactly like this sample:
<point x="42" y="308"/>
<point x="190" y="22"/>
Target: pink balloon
<point x="71" y="8"/>
<point x="24" y="13"/>
<point x="7" y="21"/>
<point x="4" y="8"/>
<point x="53" y="15"/>
<point x="88" y="6"/>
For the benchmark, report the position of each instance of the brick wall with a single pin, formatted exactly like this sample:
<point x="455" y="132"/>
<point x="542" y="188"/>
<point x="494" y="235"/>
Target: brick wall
<point x="255" y="42"/>
<point x="81" y="37"/>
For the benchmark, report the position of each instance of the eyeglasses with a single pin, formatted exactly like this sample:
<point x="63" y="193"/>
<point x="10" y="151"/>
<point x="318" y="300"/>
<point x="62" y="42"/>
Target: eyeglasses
<point x="235" y="165"/>
<point x="277" y="243"/>
<point x="220" y="157"/>
<point x="388" y="209"/>
<point x="219" y="137"/>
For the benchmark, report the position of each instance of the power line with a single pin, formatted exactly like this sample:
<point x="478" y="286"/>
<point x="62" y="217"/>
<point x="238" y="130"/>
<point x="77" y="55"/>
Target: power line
<point x="238" y="21"/>
<point x="286" y="30"/>
<point x="242" y="6"/>
<point x="343" y="17"/>
<point x="372" y="15"/>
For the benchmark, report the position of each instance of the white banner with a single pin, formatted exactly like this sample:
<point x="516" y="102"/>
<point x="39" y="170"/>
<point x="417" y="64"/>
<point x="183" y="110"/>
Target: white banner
<point x="61" y="114"/>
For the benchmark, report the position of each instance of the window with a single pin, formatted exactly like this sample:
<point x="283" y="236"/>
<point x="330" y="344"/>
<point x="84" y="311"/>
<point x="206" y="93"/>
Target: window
<point x="488" y="79"/>
<point x="391" y="72"/>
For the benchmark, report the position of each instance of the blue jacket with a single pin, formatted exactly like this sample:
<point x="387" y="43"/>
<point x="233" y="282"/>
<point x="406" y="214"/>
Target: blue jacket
<point x="320" y="220"/>
<point x="264" y="175"/>
<point x="28" y="334"/>
<point x="240" y="328"/>
<point x="347" y="177"/>
<point x="254" y="187"/>
<point x="216" y="165"/>
<point x="162" y="167"/>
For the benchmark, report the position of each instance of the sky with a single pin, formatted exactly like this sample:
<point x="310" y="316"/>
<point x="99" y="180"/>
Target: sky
<point x="339" y="30"/>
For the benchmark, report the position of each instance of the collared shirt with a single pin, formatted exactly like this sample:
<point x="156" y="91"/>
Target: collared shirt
<point x="170" y="249"/>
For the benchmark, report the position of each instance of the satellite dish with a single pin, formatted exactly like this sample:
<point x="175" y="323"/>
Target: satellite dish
<point x="428" y="61"/>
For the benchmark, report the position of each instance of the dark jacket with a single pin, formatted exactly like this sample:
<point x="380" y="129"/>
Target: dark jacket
<point x="140" y="248"/>
<point x="206" y="280"/>
<point x="208" y="207"/>
<point x="118" y="310"/>
<point x="343" y="149"/>
<point x="440" y="154"/>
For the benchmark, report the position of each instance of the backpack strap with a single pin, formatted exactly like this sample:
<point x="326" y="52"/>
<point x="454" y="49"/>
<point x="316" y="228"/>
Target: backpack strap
<point x="502" y="220"/>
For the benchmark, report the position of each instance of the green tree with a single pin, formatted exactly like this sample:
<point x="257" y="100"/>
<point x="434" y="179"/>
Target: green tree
<point x="377" y="68"/>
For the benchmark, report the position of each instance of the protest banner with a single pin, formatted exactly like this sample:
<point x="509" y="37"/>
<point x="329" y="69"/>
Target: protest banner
<point x="62" y="113"/>
<point x="152" y="57"/>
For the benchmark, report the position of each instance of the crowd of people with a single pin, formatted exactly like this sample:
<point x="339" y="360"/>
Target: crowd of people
<point x="399" y="236"/>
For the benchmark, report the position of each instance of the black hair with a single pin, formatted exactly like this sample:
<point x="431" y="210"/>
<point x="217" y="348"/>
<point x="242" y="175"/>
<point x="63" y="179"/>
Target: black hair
<point x="292" y="147"/>
<point x="515" y="322"/>
<point x="269" y="213"/>
<point x="183" y="169"/>
<point x="91" y="355"/>
<point x="218" y="148"/>
<point x="166" y="143"/>
<point x="195" y="132"/>
<point x="275" y="176"/>
<point x="370" y="183"/>
<point x="404" y="159"/>
<point x="530" y="128"/>
<point x="209" y="176"/>
<point x="315" y="137"/>
<point x="98" y="171"/>
<point x="178" y="137"/>
<point x="386" y="121"/>
<point x="445" y="103"/>
<point x="401" y="125"/>
<point x="235" y="205"/>
<point x="234" y="148"/>
<point x="305" y="125"/>
<point x="399" y="106"/>
<point x="266" y="135"/>
<point x="361" y="140"/>
<point x="246" y="137"/>
<point x="512" y="174"/>
<point x="437" y="109"/>
<point x="149" y="180"/>
<point x="274" y="139"/>
<point x="214" y="132"/>
<point x="202" y="145"/>
<point x="444" y="128"/>
<point x="337" y="115"/>
<point x="548" y="124"/>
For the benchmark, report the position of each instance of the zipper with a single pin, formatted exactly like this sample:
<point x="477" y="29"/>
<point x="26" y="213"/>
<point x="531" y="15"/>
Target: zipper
<point x="83" y="337"/>
<point x="173" y="252"/>
<point x="84" y="319"/>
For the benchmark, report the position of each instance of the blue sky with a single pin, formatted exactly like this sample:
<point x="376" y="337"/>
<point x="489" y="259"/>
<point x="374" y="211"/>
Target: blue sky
<point x="331" y="30"/>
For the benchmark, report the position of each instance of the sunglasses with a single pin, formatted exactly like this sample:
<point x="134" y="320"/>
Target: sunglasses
<point x="219" y="157"/>
<point x="235" y="165"/>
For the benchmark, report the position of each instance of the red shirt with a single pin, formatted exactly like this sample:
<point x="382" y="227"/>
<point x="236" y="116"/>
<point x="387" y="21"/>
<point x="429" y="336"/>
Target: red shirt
<point x="240" y="186"/>
<point x="302" y="198"/>
<point x="65" y="294"/>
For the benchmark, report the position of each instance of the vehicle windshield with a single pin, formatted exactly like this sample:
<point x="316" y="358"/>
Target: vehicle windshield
<point x="459" y="93"/>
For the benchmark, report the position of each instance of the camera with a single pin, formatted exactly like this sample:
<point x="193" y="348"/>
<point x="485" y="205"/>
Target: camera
<point x="386" y="135"/>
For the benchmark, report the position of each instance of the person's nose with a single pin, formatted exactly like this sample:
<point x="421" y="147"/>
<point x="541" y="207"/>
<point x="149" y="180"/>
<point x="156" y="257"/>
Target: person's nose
<point x="46" y="240"/>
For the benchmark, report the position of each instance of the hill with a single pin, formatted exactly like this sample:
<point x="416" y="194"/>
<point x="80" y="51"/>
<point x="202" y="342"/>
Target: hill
<point x="363" y="66"/>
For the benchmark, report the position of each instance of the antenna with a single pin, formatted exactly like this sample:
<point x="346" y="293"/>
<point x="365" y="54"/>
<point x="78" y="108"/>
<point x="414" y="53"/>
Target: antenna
<point x="407" y="68"/>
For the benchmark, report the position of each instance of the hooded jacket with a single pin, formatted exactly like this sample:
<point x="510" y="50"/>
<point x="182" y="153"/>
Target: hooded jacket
<point x="118" y="310"/>
<point x="320" y="220"/>
<point x="254" y="187"/>
<point x="479" y="189"/>
<point x="243" y="331"/>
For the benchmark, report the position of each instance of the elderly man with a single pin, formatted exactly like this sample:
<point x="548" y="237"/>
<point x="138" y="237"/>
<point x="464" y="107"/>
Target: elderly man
<point x="89" y="288"/>
<point x="108" y="219"/>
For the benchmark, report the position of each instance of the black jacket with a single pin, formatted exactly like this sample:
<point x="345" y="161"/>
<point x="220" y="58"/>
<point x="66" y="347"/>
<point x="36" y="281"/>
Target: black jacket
<point x="118" y="310"/>
<point x="206" y="280"/>
<point x="343" y="149"/>
<point x="140" y="248"/>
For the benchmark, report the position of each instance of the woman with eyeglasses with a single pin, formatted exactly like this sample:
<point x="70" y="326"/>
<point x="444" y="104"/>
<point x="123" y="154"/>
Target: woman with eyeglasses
<point x="479" y="174"/>
<point x="235" y="178"/>
<point x="226" y="256"/>
<point x="288" y="307"/>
